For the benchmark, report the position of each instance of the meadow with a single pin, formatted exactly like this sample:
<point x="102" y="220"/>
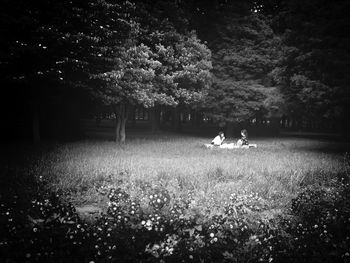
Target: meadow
<point x="277" y="168"/>
<point x="175" y="200"/>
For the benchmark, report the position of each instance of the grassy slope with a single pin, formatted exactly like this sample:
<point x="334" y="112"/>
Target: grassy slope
<point x="276" y="169"/>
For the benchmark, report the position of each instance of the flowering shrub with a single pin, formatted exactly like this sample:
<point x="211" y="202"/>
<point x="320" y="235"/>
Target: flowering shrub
<point x="322" y="232"/>
<point x="45" y="230"/>
<point x="156" y="226"/>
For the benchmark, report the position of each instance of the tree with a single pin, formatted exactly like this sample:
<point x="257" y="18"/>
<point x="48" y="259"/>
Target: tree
<point x="153" y="65"/>
<point x="189" y="62"/>
<point x="183" y="56"/>
<point x="41" y="52"/>
<point x="132" y="56"/>
<point x="245" y="52"/>
<point x="313" y="72"/>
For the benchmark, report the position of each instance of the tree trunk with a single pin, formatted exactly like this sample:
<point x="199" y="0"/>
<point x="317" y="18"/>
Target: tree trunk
<point x="35" y="123"/>
<point x="117" y="128"/>
<point x="122" y="129"/>
<point x="121" y="114"/>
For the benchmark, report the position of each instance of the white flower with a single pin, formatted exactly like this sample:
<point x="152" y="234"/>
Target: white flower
<point x="253" y="237"/>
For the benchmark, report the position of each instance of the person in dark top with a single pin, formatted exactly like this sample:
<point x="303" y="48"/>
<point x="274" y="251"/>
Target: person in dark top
<point x="244" y="138"/>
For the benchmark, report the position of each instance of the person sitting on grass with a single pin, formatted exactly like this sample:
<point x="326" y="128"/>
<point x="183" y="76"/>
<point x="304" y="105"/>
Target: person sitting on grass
<point x="217" y="141"/>
<point x="244" y="139"/>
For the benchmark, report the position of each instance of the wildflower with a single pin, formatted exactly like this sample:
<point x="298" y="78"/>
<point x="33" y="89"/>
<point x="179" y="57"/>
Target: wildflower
<point x="212" y="235"/>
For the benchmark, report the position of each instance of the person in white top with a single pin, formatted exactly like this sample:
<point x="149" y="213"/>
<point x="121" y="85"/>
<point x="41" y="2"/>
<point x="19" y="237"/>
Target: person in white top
<point x="217" y="141"/>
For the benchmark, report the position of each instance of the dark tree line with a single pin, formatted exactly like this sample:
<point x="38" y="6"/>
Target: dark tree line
<point x="313" y="70"/>
<point x="296" y="52"/>
<point x="234" y="61"/>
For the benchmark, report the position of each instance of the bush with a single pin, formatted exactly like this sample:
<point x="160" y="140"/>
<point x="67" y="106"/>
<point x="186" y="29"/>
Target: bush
<point x="322" y="232"/>
<point x="155" y="226"/>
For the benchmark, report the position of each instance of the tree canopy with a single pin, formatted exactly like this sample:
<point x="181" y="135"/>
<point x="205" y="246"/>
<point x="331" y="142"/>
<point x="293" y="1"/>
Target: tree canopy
<point x="313" y="69"/>
<point x="41" y="57"/>
<point x="155" y="64"/>
<point x="237" y="60"/>
<point x="245" y="52"/>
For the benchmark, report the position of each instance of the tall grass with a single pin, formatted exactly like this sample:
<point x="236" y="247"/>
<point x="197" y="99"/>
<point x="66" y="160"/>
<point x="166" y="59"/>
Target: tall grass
<point x="277" y="169"/>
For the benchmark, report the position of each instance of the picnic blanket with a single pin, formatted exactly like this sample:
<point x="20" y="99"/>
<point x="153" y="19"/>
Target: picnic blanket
<point x="230" y="146"/>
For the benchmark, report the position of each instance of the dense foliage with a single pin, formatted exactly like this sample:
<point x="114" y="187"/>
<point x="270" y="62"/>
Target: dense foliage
<point x="312" y="73"/>
<point x="244" y="54"/>
<point x="154" y="65"/>
<point x="268" y="57"/>
<point x="133" y="54"/>
<point x="42" y="58"/>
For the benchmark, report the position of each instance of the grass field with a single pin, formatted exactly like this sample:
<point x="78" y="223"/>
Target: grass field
<point x="277" y="169"/>
<point x="167" y="198"/>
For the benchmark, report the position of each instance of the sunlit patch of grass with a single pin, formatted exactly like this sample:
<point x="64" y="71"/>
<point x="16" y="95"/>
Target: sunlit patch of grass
<point x="277" y="168"/>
